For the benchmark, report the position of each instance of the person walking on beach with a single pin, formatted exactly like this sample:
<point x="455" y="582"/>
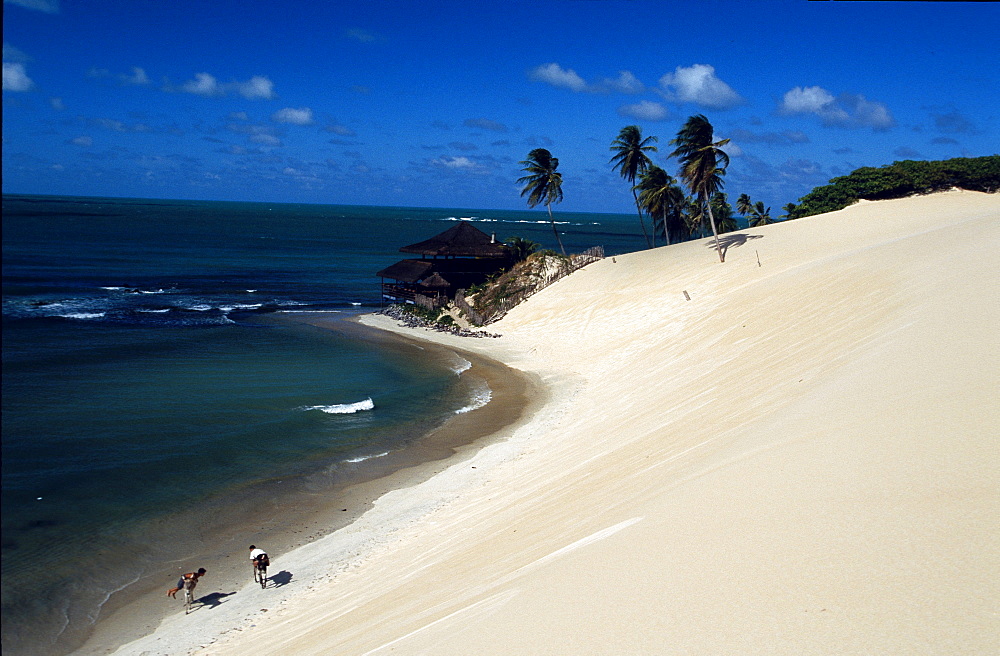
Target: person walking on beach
<point x="187" y="582"/>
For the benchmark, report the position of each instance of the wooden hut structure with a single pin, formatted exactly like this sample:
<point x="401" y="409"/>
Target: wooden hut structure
<point x="458" y="258"/>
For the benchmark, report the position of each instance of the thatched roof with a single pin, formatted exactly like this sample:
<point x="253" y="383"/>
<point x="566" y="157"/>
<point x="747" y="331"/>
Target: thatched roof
<point x="407" y="270"/>
<point x="435" y="282"/>
<point x="462" y="240"/>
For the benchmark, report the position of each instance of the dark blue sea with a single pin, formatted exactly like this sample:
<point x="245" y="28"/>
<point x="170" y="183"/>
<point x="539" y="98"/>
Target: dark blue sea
<point x="154" y="368"/>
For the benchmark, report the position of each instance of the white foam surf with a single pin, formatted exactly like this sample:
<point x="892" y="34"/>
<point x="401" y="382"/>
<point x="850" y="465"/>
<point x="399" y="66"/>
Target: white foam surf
<point x="480" y="398"/>
<point x="344" y="408"/>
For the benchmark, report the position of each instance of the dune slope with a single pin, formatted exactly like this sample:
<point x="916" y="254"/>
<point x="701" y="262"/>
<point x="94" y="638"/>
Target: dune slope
<point x="800" y="459"/>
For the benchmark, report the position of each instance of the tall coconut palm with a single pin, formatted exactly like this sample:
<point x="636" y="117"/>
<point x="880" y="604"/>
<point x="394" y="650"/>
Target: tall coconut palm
<point x="630" y="159"/>
<point x="663" y="201"/>
<point x="543" y="185"/>
<point x="703" y="163"/>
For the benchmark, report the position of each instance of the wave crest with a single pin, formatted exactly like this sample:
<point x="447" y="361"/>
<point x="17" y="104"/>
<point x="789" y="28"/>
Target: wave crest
<point x="344" y="408"/>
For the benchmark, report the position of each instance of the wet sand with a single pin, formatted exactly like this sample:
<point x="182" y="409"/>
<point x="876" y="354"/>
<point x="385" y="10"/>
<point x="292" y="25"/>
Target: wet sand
<point x="282" y="521"/>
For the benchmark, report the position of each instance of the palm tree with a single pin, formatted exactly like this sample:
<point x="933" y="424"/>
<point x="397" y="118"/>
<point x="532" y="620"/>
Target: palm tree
<point x="543" y="184"/>
<point x="630" y="159"/>
<point x="725" y="220"/>
<point x="700" y="164"/>
<point x="662" y="200"/>
<point x="789" y="211"/>
<point x="521" y="248"/>
<point x="755" y="212"/>
<point x="760" y="216"/>
<point x="744" y="205"/>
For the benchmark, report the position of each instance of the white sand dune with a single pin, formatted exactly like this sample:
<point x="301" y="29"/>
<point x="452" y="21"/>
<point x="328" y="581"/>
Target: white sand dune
<point x="803" y="458"/>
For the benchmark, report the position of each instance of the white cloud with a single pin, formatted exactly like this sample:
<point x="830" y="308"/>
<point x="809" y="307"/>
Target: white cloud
<point x="206" y="84"/>
<point x="203" y="84"/>
<point x="257" y="87"/>
<point x="847" y="110"/>
<point x="15" y="78"/>
<point x="806" y="99"/>
<point x="455" y="163"/>
<point x="646" y="110"/>
<point x="138" y="77"/>
<point x="83" y="141"/>
<point x="57" y="104"/>
<point x="698" y="84"/>
<point x="47" y="6"/>
<point x="342" y="130"/>
<point x="626" y="82"/>
<point x="557" y="76"/>
<point x="300" y="116"/>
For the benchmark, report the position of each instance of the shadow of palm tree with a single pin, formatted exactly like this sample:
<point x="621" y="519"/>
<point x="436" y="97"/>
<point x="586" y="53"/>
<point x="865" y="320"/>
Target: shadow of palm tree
<point x="732" y="239"/>
<point x="214" y="599"/>
<point x="281" y="578"/>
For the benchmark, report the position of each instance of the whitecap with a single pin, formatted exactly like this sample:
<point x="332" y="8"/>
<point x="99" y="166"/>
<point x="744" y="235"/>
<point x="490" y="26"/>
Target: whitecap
<point x="308" y="311"/>
<point x="82" y="315"/>
<point x="460" y="365"/>
<point x="363" y="458"/>
<point x="154" y="311"/>
<point x="240" y="306"/>
<point x="479" y="399"/>
<point x="344" y="408"/>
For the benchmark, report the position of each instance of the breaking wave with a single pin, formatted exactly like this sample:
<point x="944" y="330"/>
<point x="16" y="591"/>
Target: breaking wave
<point x="344" y="408"/>
<point x="480" y="398"/>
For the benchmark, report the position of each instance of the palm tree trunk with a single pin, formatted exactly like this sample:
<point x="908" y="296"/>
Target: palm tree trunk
<point x="641" y="222"/>
<point x="554" y="231"/>
<point x="711" y="219"/>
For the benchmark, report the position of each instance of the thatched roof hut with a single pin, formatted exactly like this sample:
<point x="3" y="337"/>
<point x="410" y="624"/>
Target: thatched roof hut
<point x="458" y="258"/>
<point x="461" y="240"/>
<point x="407" y="270"/>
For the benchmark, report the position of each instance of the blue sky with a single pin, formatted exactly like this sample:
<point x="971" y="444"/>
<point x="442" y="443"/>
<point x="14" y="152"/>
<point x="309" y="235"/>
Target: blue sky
<point x="435" y="103"/>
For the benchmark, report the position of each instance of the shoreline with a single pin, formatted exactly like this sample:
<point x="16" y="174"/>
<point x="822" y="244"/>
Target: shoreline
<point x="322" y="510"/>
<point x="793" y="452"/>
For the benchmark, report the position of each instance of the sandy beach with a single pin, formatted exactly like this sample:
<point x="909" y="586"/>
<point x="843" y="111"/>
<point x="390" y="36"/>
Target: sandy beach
<point x="793" y="452"/>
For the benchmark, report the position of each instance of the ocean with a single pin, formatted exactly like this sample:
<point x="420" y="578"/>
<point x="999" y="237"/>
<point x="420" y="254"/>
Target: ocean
<point x="154" y="376"/>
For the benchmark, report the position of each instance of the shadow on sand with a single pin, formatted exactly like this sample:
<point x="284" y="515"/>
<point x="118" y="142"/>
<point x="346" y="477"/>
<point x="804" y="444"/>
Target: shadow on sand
<point x="281" y="578"/>
<point x="213" y="599"/>
<point x="731" y="240"/>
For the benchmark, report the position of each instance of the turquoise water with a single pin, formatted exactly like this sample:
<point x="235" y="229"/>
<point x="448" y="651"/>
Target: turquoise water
<point x="147" y="373"/>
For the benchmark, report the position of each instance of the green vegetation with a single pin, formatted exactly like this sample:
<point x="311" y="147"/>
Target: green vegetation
<point x="430" y="316"/>
<point x="756" y="214"/>
<point x="663" y="200"/>
<point x="901" y="179"/>
<point x="706" y="211"/>
<point x="521" y="248"/>
<point x="630" y="159"/>
<point x="703" y="164"/>
<point x="543" y="184"/>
